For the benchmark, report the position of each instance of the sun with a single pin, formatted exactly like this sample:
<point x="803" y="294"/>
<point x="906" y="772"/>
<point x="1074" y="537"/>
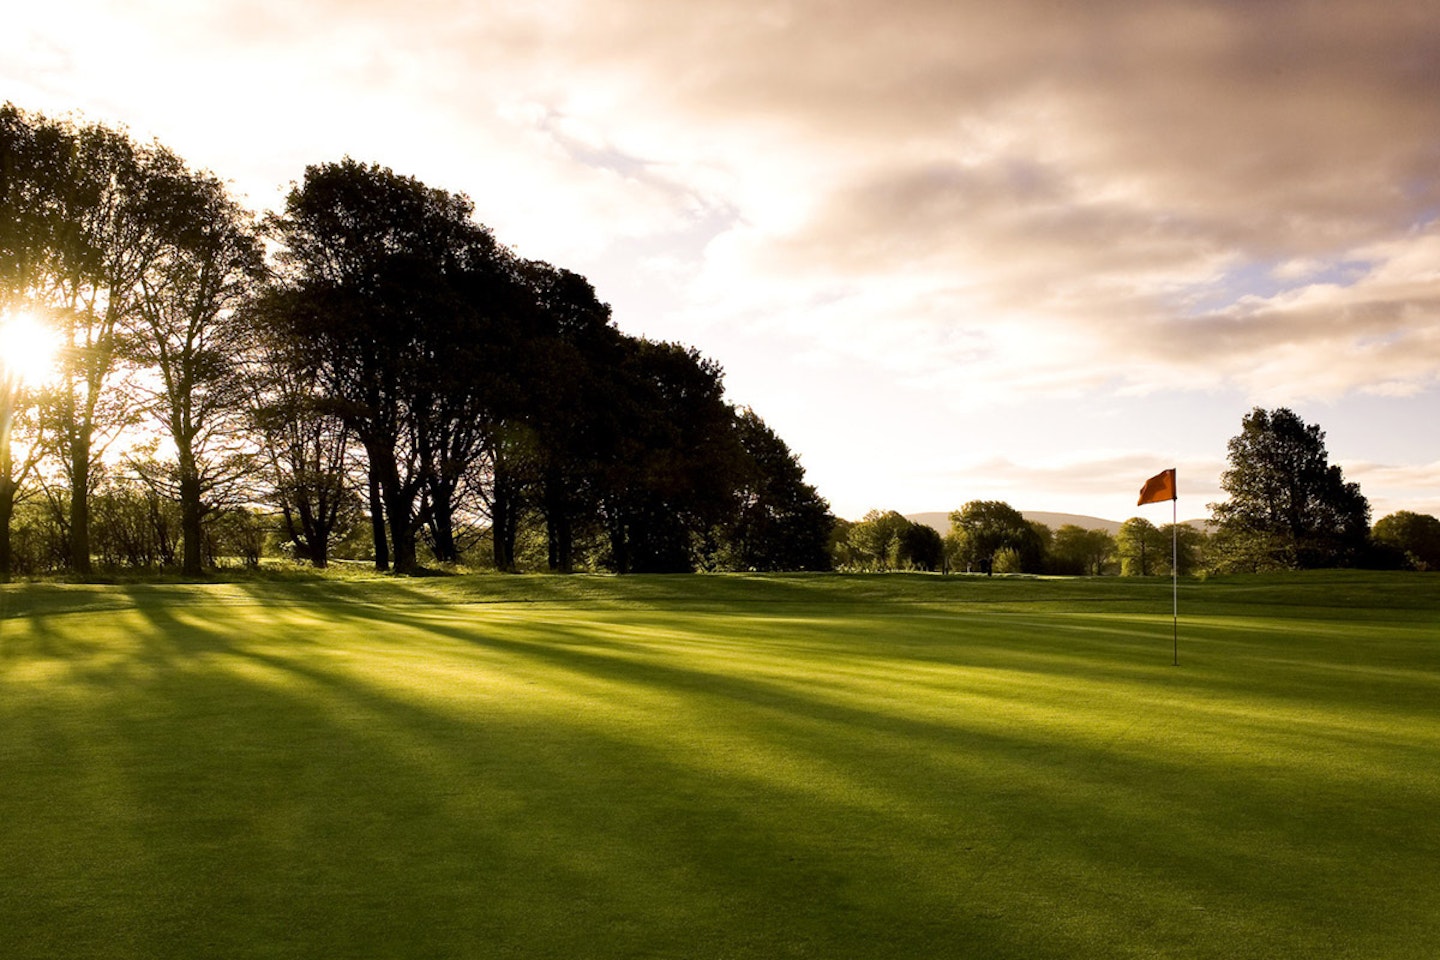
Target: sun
<point x="27" y="349"/>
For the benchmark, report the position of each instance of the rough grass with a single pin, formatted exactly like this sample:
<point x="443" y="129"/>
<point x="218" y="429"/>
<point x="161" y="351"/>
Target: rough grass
<point x="708" y="767"/>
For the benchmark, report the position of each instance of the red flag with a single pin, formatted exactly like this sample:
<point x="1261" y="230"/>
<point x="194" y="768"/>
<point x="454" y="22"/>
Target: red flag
<point x="1159" y="487"/>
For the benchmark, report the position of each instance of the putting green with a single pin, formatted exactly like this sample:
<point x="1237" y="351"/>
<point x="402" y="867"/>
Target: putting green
<point x="708" y="767"/>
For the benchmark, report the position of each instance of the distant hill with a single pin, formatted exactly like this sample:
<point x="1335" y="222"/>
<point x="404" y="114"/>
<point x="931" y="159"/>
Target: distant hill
<point x="941" y="521"/>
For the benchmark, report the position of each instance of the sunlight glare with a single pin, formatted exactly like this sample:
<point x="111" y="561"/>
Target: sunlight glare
<point x="27" y="348"/>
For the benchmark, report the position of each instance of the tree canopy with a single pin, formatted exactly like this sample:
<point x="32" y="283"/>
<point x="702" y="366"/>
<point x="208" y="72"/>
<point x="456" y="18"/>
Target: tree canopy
<point x="982" y="530"/>
<point x="1288" y="506"/>
<point x="1413" y="537"/>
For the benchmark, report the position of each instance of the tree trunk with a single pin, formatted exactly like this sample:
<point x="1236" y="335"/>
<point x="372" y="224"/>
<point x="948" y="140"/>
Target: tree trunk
<point x="377" y="519"/>
<point x="190" y="515"/>
<point x="504" y="517"/>
<point x="559" y="527"/>
<point x="500" y="525"/>
<point x="8" y="486"/>
<point x="402" y="533"/>
<point x="396" y="514"/>
<point x="442" y="525"/>
<point x="80" y="507"/>
<point x="320" y="551"/>
<point x="7" y="514"/>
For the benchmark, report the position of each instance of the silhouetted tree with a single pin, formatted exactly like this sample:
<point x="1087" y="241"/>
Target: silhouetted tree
<point x="99" y="202"/>
<point x="377" y="268"/>
<point x="185" y="327"/>
<point x="33" y="152"/>
<point x="569" y="366"/>
<point x="481" y="388"/>
<point x="780" y="522"/>
<point x="922" y="547"/>
<point x="1285" y="499"/>
<point x="305" y="449"/>
<point x="670" y="477"/>
<point x="16" y="465"/>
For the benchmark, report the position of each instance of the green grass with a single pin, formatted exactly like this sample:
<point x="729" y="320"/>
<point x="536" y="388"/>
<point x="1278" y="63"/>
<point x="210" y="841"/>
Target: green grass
<point x="721" y="767"/>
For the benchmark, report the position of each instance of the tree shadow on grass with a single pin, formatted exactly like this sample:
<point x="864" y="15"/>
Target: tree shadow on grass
<point x="356" y="779"/>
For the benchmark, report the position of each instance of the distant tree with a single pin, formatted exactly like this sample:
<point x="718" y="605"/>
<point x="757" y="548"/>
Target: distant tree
<point x="1189" y="546"/>
<point x="843" y="555"/>
<point x="1244" y="551"/>
<point x="876" y="539"/>
<point x="1415" y="537"/>
<point x="982" y="528"/>
<point x="1045" y="539"/>
<point x="1141" y="548"/>
<point x="134" y="523"/>
<point x="922" y="548"/>
<point x="1007" y="560"/>
<point x="237" y="532"/>
<point x="1078" y="551"/>
<point x="1286" y="499"/>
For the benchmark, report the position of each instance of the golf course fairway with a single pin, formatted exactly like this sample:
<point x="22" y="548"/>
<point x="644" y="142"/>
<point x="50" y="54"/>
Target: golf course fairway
<point x="823" y="766"/>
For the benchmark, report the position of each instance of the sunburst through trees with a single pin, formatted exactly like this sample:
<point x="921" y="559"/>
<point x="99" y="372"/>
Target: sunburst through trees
<point x="389" y="357"/>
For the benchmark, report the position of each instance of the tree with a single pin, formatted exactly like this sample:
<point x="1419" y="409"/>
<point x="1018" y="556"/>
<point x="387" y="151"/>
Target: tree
<point x="305" y="449"/>
<point x="16" y="410"/>
<point x="1285" y="499"/>
<point x="781" y="522"/>
<point x="568" y="360"/>
<point x="843" y="556"/>
<point x="1077" y="551"/>
<point x="670" y="478"/>
<point x="186" y="328"/>
<point x="377" y="297"/>
<point x="1141" y="547"/>
<point x="32" y="151"/>
<point x="1415" y="537"/>
<point x="877" y="541"/>
<point x="94" y="204"/>
<point x="982" y="528"/>
<point x="1189" y="546"/>
<point x="921" y="548"/>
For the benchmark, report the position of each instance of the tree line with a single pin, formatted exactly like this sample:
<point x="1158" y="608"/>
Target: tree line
<point x="368" y="365"/>
<point x="991" y="536"/>
<point x="1287" y="508"/>
<point x="369" y="372"/>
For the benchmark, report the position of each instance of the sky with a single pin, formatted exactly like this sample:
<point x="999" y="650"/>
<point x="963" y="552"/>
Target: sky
<point x="950" y="250"/>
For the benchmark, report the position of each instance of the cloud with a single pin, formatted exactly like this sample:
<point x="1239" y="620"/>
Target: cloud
<point x="1031" y="192"/>
<point x="1414" y="487"/>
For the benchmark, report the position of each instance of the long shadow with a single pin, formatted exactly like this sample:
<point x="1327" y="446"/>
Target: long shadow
<point x="256" y="792"/>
